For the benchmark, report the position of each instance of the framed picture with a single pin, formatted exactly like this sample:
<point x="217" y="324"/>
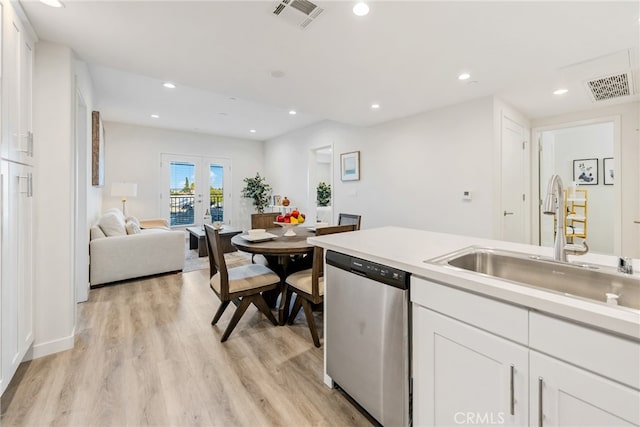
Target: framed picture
<point x="585" y="171"/>
<point x="97" y="150"/>
<point x="350" y="166"/>
<point x="607" y="170"/>
<point x="277" y="200"/>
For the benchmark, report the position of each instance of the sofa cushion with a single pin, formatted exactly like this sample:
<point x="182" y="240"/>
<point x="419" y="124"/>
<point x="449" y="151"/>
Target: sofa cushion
<point x="96" y="233"/>
<point x="112" y="225"/>
<point x="132" y="227"/>
<point x="132" y="218"/>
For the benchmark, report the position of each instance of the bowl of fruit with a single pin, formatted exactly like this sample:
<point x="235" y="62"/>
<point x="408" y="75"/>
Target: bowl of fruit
<point x="290" y="220"/>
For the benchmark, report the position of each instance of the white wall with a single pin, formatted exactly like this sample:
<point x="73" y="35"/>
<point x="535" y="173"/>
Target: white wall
<point x="53" y="95"/>
<point x="584" y="142"/>
<point x="627" y="181"/>
<point x="413" y="170"/>
<point x="132" y="154"/>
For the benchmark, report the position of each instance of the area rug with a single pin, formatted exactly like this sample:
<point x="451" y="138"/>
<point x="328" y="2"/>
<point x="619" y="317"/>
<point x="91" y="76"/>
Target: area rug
<point x="193" y="262"/>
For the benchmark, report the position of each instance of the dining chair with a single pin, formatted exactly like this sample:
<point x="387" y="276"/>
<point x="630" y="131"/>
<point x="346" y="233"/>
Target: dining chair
<point x="245" y="283"/>
<point x="309" y="284"/>
<point x="263" y="220"/>
<point x="344" y="219"/>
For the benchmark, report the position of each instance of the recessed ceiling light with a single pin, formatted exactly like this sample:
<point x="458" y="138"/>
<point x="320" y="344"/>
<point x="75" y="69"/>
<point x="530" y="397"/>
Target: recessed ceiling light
<point x="223" y="114"/>
<point x="252" y="131"/>
<point x="52" y="3"/>
<point x="560" y="91"/>
<point x="155" y="116"/>
<point x="277" y="74"/>
<point x="169" y="85"/>
<point x="293" y="112"/>
<point x="375" y="106"/>
<point x="361" y="9"/>
<point x="464" y="76"/>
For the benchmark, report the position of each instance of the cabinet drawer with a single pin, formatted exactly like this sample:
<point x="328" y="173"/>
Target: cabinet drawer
<point x="499" y="318"/>
<point x="608" y="355"/>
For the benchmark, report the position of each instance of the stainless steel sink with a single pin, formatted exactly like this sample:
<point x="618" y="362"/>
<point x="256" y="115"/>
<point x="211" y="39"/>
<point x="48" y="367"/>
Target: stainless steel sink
<point x="594" y="282"/>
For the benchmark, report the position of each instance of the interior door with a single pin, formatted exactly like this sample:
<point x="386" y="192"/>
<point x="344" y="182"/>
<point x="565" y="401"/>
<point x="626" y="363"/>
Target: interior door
<point x="191" y="185"/>
<point x="514" y="183"/>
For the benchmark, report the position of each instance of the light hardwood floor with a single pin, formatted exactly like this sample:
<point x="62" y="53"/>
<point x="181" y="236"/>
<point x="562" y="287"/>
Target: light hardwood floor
<point x="146" y="354"/>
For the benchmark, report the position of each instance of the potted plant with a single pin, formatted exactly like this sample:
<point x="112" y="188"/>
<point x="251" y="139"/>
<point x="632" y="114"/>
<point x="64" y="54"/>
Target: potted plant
<point x="323" y="194"/>
<point x="258" y="190"/>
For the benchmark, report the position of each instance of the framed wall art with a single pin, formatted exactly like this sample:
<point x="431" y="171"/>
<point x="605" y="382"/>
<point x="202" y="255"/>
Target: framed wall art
<point x="607" y="171"/>
<point x="97" y="150"/>
<point x="350" y="166"/>
<point x="585" y="171"/>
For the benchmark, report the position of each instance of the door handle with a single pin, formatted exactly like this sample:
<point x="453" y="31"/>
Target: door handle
<point x="637" y="222"/>
<point x="540" y="411"/>
<point x="512" y="405"/>
<point x="507" y="213"/>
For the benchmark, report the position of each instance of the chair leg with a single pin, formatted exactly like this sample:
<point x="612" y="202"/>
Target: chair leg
<point x="259" y="302"/>
<point x="312" y="325"/>
<point x="221" y="309"/>
<point x="294" y="311"/>
<point x="244" y="303"/>
<point x="285" y="298"/>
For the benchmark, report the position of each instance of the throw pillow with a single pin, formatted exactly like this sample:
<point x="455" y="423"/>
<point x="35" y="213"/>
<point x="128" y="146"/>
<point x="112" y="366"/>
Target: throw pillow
<point x="112" y="225"/>
<point x="132" y="227"/>
<point x="132" y="219"/>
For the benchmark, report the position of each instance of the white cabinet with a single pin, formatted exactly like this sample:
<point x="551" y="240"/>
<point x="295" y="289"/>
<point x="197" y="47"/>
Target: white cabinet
<point x="17" y="268"/>
<point x="17" y="143"/>
<point x="463" y="375"/>
<point x="563" y="395"/>
<point x="564" y="374"/>
<point x="16" y="166"/>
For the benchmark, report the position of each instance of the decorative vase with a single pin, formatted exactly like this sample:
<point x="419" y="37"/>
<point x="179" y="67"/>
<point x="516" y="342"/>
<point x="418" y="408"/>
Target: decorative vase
<point x="285" y="201"/>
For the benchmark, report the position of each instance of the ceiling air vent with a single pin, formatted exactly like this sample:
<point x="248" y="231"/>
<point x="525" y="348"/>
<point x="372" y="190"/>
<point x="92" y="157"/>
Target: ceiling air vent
<point x="610" y="87"/>
<point x="299" y="12"/>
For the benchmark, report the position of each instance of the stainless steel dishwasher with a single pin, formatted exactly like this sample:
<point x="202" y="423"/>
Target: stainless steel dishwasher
<point x="367" y="335"/>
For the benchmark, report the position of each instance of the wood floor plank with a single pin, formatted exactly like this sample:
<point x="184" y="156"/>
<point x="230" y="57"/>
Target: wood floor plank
<point x="147" y="355"/>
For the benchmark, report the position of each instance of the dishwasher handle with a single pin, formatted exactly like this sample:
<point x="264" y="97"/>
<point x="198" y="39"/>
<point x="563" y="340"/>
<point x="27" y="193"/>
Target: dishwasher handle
<point x="377" y="272"/>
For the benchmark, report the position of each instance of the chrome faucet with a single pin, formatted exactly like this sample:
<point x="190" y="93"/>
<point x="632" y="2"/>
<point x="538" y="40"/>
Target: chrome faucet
<point x="554" y="205"/>
<point x="625" y="265"/>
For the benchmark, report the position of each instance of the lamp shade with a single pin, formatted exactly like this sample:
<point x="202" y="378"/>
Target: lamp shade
<point x="124" y="189"/>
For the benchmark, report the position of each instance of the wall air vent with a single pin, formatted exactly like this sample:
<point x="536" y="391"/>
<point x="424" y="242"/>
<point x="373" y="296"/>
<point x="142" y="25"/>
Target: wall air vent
<point x="610" y="87"/>
<point x="298" y="12"/>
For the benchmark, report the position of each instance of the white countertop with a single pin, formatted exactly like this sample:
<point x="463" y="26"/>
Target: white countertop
<point x="407" y="250"/>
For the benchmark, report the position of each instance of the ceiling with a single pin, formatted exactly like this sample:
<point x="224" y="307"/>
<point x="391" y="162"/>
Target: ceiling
<point x="405" y="56"/>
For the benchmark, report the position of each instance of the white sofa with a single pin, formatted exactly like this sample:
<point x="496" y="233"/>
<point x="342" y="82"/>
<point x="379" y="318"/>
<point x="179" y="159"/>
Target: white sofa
<point x="116" y="255"/>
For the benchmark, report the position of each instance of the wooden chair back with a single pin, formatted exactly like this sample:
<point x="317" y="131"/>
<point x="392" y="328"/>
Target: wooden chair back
<point x="264" y="220"/>
<point x="345" y="218"/>
<point x="318" y="258"/>
<point x="217" y="264"/>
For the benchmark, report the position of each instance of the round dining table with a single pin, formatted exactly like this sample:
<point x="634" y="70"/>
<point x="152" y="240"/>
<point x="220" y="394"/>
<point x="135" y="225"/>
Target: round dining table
<point x="285" y="255"/>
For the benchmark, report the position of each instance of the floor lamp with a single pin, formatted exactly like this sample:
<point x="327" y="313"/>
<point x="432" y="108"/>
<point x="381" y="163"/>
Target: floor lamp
<point x="124" y="190"/>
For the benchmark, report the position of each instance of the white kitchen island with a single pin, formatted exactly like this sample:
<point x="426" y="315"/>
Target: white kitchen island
<point x="489" y="351"/>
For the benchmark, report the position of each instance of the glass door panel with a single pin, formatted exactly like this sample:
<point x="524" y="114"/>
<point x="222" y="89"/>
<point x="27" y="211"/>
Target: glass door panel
<point x="182" y="193"/>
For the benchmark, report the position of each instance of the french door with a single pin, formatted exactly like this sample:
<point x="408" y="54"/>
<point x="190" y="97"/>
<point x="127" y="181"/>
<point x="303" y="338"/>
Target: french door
<point x="193" y="185"/>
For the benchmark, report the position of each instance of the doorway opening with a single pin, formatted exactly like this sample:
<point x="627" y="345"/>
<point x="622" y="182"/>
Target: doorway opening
<point x="585" y="156"/>
<point x="321" y="175"/>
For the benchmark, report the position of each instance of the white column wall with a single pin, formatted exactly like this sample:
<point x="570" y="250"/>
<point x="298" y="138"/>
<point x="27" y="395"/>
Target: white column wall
<point x="53" y="194"/>
<point x="413" y="170"/>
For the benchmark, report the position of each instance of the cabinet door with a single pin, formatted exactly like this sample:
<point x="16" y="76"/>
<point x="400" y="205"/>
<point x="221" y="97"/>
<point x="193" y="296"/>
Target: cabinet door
<point x="23" y="223"/>
<point x="463" y="375"/>
<point x="18" y="86"/>
<point x="25" y="150"/>
<point x="563" y="395"/>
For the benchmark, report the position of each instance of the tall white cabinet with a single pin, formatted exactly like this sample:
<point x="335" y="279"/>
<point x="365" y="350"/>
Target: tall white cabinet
<point x="16" y="168"/>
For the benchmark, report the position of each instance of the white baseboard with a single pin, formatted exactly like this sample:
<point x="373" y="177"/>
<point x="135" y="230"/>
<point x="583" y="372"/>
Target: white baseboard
<point x="46" y="348"/>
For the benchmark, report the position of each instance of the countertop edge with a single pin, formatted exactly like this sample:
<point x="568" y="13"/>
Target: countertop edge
<point x="621" y="322"/>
